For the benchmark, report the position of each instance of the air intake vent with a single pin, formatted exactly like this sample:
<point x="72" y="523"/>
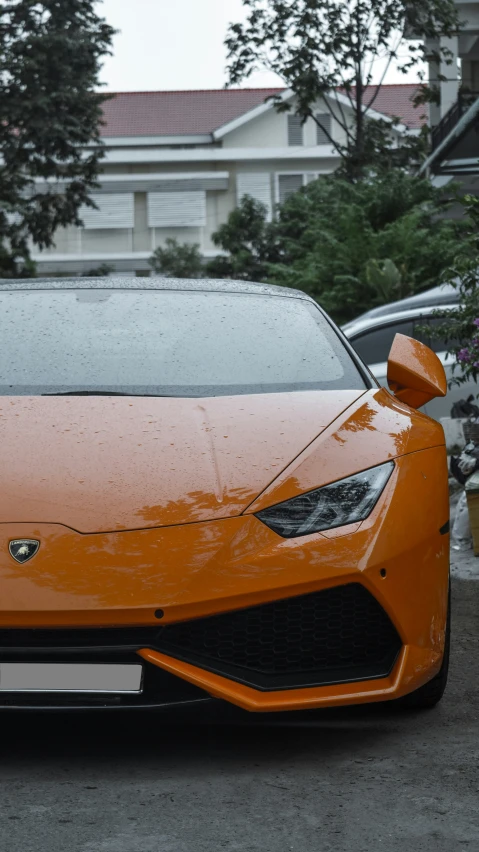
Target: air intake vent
<point x="333" y="636"/>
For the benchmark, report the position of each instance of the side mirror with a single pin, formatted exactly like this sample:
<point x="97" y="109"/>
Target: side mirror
<point x="415" y="373"/>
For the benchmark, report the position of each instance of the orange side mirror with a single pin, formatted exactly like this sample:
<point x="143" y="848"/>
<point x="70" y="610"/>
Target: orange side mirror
<point x="415" y="373"/>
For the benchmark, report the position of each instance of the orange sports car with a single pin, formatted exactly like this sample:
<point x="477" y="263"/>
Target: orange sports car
<point x="206" y="495"/>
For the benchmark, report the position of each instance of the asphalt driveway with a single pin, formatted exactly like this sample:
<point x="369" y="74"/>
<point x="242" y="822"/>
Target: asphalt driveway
<point x="356" y="779"/>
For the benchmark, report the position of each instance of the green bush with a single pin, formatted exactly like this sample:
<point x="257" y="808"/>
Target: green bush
<point x="248" y="241"/>
<point x="178" y="260"/>
<point x="355" y="246"/>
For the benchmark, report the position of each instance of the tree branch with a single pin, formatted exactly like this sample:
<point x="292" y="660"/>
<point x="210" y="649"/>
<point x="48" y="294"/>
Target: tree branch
<point x="337" y="147"/>
<point x="383" y="75"/>
<point x="341" y="121"/>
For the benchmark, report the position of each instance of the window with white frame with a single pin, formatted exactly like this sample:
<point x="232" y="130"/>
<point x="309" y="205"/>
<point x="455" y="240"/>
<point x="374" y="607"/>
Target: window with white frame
<point x="176" y="209"/>
<point x="114" y="210"/>
<point x="257" y="185"/>
<point x="295" y="130"/>
<point x="324" y="119"/>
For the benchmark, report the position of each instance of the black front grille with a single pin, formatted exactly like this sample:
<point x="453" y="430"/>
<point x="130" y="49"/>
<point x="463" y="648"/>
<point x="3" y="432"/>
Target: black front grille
<point x="59" y="640"/>
<point x="336" y="635"/>
<point x="333" y="636"/>
<point x="160" y="689"/>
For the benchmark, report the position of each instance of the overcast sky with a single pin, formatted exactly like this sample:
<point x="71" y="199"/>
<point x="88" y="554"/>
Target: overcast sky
<point x="175" y="44"/>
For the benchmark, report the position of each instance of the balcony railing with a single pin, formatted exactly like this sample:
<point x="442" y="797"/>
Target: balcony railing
<point x="452" y="117"/>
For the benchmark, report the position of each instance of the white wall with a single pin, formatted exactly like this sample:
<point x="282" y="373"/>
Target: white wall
<point x="66" y="240"/>
<point x="267" y="131"/>
<point x="270" y="130"/>
<point x="101" y="241"/>
<point x="183" y="235"/>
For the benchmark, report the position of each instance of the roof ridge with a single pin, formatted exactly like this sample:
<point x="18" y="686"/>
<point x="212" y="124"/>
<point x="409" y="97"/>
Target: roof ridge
<point x="196" y="91"/>
<point x="395" y="85"/>
<point x="238" y="90"/>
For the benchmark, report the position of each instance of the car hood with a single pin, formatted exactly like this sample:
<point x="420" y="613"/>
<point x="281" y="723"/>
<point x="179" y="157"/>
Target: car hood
<point x="99" y="464"/>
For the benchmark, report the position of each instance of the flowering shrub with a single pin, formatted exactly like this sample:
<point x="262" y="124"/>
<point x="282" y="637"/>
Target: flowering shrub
<point x="468" y="356"/>
<point x="460" y="328"/>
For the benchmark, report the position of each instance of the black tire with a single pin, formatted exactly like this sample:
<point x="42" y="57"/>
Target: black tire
<point x="430" y="694"/>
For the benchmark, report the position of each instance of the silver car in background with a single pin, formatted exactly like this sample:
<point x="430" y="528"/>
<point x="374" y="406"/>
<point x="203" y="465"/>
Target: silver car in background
<point x="372" y="335"/>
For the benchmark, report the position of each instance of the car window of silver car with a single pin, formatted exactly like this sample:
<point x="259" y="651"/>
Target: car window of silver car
<point x="437" y="344"/>
<point x="373" y="346"/>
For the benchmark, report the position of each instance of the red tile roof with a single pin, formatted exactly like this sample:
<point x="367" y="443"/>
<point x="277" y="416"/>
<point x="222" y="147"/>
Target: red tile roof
<point x="201" y="112"/>
<point x="396" y="101"/>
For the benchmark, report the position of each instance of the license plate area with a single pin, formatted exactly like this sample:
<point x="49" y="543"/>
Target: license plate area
<point x="72" y="678"/>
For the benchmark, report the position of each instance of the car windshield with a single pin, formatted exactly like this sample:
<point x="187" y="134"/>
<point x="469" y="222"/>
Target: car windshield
<point x="169" y="343"/>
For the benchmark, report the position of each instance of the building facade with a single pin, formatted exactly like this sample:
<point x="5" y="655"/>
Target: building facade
<point x="177" y="163"/>
<point x="455" y="119"/>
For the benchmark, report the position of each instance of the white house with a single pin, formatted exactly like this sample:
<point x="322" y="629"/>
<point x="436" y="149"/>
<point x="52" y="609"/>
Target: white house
<point x="176" y="164"/>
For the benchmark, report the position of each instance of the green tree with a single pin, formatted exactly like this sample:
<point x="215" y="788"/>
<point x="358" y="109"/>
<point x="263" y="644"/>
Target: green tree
<point x="248" y="240"/>
<point x="50" y="117"/>
<point x="336" y="49"/>
<point x="357" y="245"/>
<point x="178" y="260"/>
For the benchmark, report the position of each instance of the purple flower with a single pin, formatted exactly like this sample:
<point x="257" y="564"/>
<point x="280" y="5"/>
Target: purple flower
<point x="463" y="355"/>
<point x="476" y="322"/>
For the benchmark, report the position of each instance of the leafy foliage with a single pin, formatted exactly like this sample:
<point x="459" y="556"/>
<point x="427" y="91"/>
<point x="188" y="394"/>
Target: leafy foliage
<point x="332" y="48"/>
<point x="384" y="277"/>
<point x="50" y="58"/>
<point x="349" y="245"/>
<point x="101" y="271"/>
<point x="178" y="260"/>
<point x="249" y="242"/>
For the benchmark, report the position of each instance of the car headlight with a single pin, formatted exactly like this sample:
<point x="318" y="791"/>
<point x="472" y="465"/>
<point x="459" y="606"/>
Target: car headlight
<point x="344" y="502"/>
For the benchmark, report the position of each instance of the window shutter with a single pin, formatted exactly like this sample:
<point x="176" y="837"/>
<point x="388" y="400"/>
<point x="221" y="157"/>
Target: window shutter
<point x="115" y="210"/>
<point x="321" y="137"/>
<point x="258" y="185"/>
<point x="176" y="209"/>
<point x="295" y="130"/>
<point x="288" y="185"/>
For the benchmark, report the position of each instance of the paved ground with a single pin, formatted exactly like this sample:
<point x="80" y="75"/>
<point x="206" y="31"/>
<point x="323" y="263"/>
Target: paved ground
<point x="360" y="779"/>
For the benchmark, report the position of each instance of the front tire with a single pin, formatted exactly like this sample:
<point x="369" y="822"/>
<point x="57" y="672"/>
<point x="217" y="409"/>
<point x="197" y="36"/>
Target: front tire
<point x="430" y="694"/>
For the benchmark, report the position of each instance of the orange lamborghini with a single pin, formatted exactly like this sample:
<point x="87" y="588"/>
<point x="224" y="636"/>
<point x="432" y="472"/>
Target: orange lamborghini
<point x="206" y="495"/>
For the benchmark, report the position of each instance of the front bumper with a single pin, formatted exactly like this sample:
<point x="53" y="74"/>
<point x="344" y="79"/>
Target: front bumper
<point x="240" y="618"/>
